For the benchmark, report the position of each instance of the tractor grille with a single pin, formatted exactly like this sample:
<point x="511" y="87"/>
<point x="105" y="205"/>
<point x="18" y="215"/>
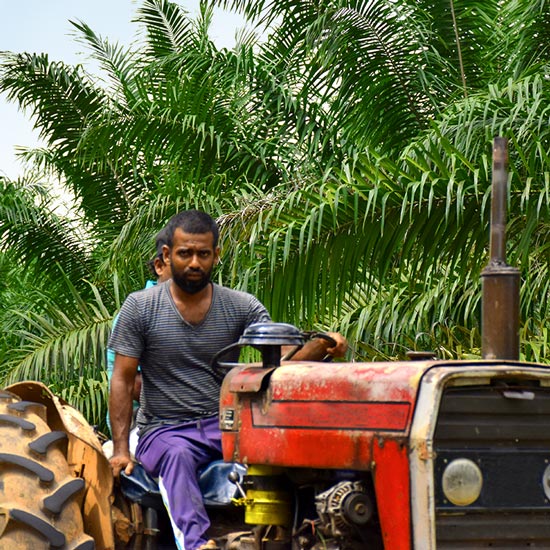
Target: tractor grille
<point x="505" y="430"/>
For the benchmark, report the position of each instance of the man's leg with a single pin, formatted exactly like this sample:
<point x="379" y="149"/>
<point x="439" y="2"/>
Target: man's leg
<point x="174" y="454"/>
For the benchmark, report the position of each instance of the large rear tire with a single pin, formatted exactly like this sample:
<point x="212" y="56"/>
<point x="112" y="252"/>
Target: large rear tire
<point x="40" y="501"/>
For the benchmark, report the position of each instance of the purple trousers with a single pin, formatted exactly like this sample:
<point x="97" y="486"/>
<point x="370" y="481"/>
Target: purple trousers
<point x="174" y="454"/>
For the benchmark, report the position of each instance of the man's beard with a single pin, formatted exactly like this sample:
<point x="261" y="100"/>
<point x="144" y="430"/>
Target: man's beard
<point x="191" y="286"/>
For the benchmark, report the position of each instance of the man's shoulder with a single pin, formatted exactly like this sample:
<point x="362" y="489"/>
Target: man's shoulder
<point x="240" y="304"/>
<point x="148" y="292"/>
<point x="231" y="293"/>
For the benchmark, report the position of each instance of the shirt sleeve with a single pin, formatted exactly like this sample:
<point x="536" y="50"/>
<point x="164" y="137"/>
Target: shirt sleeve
<point x="257" y="312"/>
<point x="127" y="337"/>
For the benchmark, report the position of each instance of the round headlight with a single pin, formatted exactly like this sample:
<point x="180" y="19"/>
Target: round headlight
<point x="462" y="481"/>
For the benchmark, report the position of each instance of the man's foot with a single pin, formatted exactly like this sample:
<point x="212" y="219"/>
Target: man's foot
<point x="210" y="545"/>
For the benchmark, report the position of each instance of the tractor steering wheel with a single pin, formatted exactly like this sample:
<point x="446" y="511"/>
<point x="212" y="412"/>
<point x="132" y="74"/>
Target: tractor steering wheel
<point x="268" y="338"/>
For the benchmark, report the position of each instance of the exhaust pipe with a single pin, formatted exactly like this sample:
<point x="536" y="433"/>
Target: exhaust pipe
<point x="500" y="282"/>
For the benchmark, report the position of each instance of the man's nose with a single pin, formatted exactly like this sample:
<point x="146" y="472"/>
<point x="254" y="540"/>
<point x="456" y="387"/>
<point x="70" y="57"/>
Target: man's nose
<point x="194" y="261"/>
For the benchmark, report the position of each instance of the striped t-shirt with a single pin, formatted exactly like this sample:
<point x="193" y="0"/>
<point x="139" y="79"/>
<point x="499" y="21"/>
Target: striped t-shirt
<point x="178" y="382"/>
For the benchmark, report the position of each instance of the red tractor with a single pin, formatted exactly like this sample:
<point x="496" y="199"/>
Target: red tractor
<point x="422" y="454"/>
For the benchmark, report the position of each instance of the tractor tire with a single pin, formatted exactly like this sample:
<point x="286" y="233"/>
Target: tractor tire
<point x="40" y="502"/>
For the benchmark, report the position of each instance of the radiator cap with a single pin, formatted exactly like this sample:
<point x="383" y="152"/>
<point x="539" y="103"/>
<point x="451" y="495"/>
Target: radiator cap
<point x="272" y="334"/>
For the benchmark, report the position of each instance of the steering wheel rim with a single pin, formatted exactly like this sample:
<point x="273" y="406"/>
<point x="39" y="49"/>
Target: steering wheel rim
<point x="305" y="336"/>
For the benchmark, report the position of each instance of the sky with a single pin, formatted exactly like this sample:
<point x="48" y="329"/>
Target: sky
<point x="43" y="26"/>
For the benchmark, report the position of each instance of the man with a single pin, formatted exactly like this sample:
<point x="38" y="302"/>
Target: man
<point x="173" y="331"/>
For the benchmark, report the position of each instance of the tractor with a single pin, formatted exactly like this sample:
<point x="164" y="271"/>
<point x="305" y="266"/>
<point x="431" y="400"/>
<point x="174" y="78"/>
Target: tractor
<point x="421" y="454"/>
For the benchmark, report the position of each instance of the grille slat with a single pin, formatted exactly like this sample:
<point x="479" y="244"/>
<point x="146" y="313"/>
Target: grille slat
<point x="490" y="429"/>
<point x="493" y="400"/>
<point x="479" y="417"/>
<point x="494" y="530"/>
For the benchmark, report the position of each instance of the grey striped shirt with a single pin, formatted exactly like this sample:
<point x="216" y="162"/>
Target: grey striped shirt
<point x="179" y="384"/>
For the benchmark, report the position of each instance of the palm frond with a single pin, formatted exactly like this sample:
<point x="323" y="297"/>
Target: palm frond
<point x="88" y="395"/>
<point x="62" y="100"/>
<point x="120" y="64"/>
<point x="60" y="345"/>
<point x="167" y="26"/>
<point x="415" y="224"/>
<point x="44" y="242"/>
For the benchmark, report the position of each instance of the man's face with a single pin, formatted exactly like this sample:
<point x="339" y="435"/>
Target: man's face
<point x="191" y="258"/>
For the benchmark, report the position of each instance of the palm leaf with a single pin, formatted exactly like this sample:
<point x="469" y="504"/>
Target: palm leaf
<point x="60" y="344"/>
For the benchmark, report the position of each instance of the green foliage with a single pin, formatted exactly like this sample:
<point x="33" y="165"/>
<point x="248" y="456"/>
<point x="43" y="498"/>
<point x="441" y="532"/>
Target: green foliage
<point x="89" y="394"/>
<point x="346" y="155"/>
<point x="58" y="344"/>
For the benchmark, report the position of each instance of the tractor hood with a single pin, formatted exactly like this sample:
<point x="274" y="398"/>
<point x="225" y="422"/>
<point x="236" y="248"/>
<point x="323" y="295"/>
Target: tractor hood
<point x="321" y="415"/>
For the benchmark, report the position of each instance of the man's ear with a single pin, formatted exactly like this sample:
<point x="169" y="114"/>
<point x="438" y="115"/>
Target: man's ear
<point x="166" y="254"/>
<point x="159" y="266"/>
<point x="217" y="256"/>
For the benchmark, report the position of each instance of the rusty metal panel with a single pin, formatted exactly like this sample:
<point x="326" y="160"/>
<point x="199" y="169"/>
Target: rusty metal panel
<point x="391" y="476"/>
<point x="343" y="415"/>
<point x="317" y="414"/>
<point x="249" y="380"/>
<point x="377" y="382"/>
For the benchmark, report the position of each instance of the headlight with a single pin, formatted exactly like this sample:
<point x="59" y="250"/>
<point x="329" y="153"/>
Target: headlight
<point x="462" y="482"/>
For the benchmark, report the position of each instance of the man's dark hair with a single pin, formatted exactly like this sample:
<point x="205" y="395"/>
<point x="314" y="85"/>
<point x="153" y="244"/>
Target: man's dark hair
<point x="160" y="240"/>
<point x="194" y="222"/>
<point x="151" y="267"/>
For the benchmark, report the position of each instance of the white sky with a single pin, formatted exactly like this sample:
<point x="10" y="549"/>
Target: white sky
<point x="42" y="26"/>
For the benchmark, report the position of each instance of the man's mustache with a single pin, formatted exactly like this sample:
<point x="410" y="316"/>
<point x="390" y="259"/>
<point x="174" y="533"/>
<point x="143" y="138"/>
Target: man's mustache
<point x="195" y="270"/>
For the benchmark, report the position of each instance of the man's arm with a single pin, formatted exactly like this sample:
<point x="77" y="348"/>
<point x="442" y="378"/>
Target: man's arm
<point x="120" y="411"/>
<point x="318" y="348"/>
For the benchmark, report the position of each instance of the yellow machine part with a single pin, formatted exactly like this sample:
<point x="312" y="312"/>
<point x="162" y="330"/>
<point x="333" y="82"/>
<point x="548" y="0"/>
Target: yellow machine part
<point x="267" y="506"/>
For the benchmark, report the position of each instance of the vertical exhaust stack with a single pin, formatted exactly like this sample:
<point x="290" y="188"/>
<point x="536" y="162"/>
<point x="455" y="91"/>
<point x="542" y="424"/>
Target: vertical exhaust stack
<point x="500" y="282"/>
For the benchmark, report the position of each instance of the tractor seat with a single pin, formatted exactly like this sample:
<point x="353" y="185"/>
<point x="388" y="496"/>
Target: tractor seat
<point x="217" y="491"/>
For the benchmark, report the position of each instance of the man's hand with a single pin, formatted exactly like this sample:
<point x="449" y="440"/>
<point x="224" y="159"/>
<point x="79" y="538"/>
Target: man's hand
<point x="318" y="348"/>
<point x="121" y="462"/>
<point x="339" y="350"/>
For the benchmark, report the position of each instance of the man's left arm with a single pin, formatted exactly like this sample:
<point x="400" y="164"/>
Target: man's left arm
<point x="318" y="348"/>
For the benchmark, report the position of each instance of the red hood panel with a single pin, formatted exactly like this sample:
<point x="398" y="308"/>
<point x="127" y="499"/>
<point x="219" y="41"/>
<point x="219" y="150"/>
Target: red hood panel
<point x="317" y="414"/>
